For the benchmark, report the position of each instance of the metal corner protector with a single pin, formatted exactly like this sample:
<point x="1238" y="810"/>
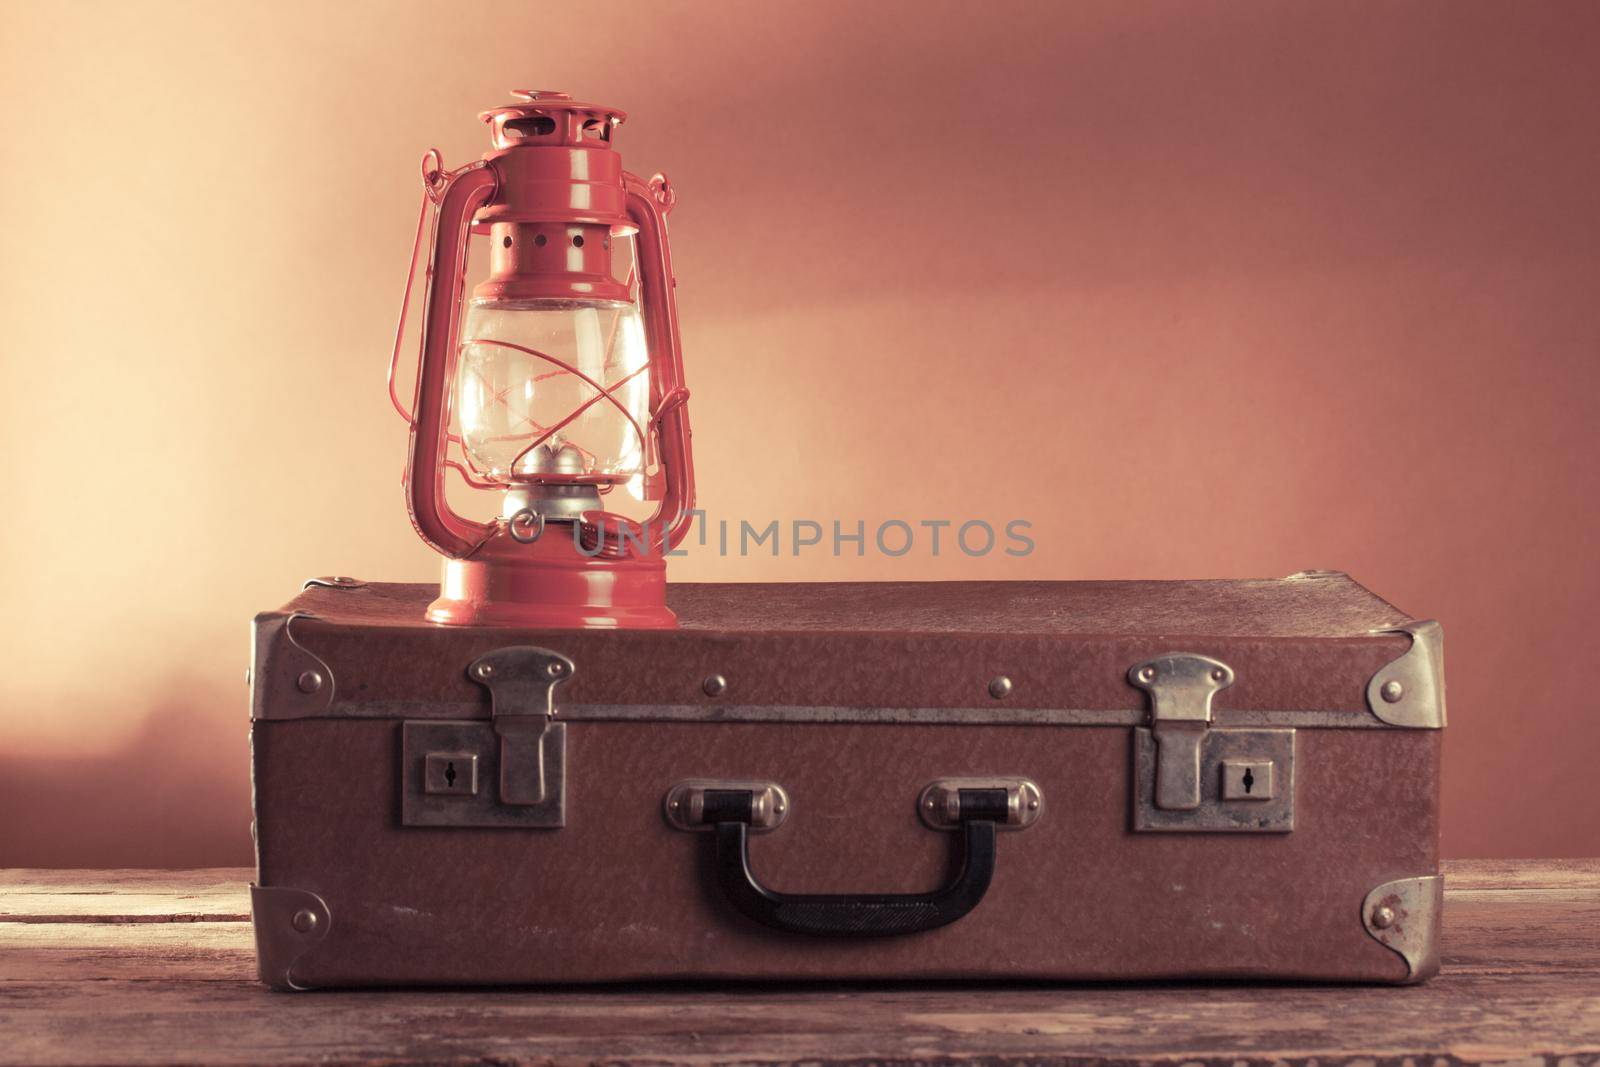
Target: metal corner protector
<point x="1404" y="916"/>
<point x="287" y="680"/>
<point x="1409" y="691"/>
<point x="288" y="924"/>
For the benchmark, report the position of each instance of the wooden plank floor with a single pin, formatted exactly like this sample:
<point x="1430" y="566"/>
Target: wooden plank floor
<point x="142" y="967"/>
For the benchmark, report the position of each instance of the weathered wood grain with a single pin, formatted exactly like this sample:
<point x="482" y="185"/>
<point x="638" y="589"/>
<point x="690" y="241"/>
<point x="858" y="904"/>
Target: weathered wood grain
<point x="96" y="952"/>
<point x="212" y="894"/>
<point x="81" y="983"/>
<point x="1577" y="875"/>
<point x="176" y="1021"/>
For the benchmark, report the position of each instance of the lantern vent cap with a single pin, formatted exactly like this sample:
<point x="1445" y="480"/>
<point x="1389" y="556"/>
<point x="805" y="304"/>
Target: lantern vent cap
<point x="547" y="118"/>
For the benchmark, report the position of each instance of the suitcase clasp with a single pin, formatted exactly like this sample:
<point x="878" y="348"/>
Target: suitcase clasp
<point x="1181" y="686"/>
<point x="520" y="749"/>
<point x="1189" y="776"/>
<point x="522" y="684"/>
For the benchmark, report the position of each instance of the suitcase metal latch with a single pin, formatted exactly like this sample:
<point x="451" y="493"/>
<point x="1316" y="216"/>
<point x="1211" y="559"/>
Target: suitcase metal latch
<point x="1190" y="776"/>
<point x="521" y="750"/>
<point x="522" y="692"/>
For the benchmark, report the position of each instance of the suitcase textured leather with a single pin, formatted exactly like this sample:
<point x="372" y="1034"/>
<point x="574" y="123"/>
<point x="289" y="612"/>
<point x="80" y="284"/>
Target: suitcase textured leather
<point x="1019" y="780"/>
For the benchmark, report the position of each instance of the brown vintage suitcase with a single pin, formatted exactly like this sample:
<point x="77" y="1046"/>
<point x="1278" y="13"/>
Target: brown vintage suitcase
<point x="1073" y="780"/>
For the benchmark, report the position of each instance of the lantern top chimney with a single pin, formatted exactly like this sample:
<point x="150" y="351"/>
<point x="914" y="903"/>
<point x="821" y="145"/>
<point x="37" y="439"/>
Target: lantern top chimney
<point x="545" y="118"/>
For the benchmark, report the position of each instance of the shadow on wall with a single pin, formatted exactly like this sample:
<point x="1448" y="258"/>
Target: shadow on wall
<point x="177" y="795"/>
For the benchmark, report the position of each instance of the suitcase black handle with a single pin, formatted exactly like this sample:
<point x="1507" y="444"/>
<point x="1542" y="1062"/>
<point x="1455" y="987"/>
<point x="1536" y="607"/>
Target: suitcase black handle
<point x="856" y="914"/>
<point x="975" y="808"/>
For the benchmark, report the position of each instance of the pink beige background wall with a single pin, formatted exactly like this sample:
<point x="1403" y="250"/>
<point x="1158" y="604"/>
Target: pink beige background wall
<point x="1200" y="289"/>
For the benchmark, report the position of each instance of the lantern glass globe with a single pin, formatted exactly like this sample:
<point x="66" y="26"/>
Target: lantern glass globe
<point x="572" y="375"/>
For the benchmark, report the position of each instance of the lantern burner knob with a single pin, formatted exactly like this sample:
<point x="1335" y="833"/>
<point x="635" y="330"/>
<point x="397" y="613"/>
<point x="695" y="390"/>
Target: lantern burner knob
<point x="532" y="95"/>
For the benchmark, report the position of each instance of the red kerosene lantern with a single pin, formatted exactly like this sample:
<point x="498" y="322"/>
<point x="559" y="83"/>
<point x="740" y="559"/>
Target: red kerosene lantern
<point x="560" y="383"/>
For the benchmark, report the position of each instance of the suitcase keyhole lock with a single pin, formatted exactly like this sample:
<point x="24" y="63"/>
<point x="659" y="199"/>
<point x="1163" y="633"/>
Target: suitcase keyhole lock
<point x="1249" y="779"/>
<point x="450" y="774"/>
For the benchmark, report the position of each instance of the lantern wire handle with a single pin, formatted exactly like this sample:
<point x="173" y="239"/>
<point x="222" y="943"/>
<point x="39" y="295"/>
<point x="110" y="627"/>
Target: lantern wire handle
<point x="435" y="179"/>
<point x="675" y="399"/>
<point x="405" y="304"/>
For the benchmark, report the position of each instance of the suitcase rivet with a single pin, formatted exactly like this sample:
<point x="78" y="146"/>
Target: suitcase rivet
<point x="1392" y="691"/>
<point x="483" y="670"/>
<point x="1218" y="674"/>
<point x="714" y="685"/>
<point x="1383" y="917"/>
<point x="309" y="681"/>
<point x="305" y="920"/>
<point x="1147" y="674"/>
<point x="554" y="670"/>
<point x="1000" y="687"/>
